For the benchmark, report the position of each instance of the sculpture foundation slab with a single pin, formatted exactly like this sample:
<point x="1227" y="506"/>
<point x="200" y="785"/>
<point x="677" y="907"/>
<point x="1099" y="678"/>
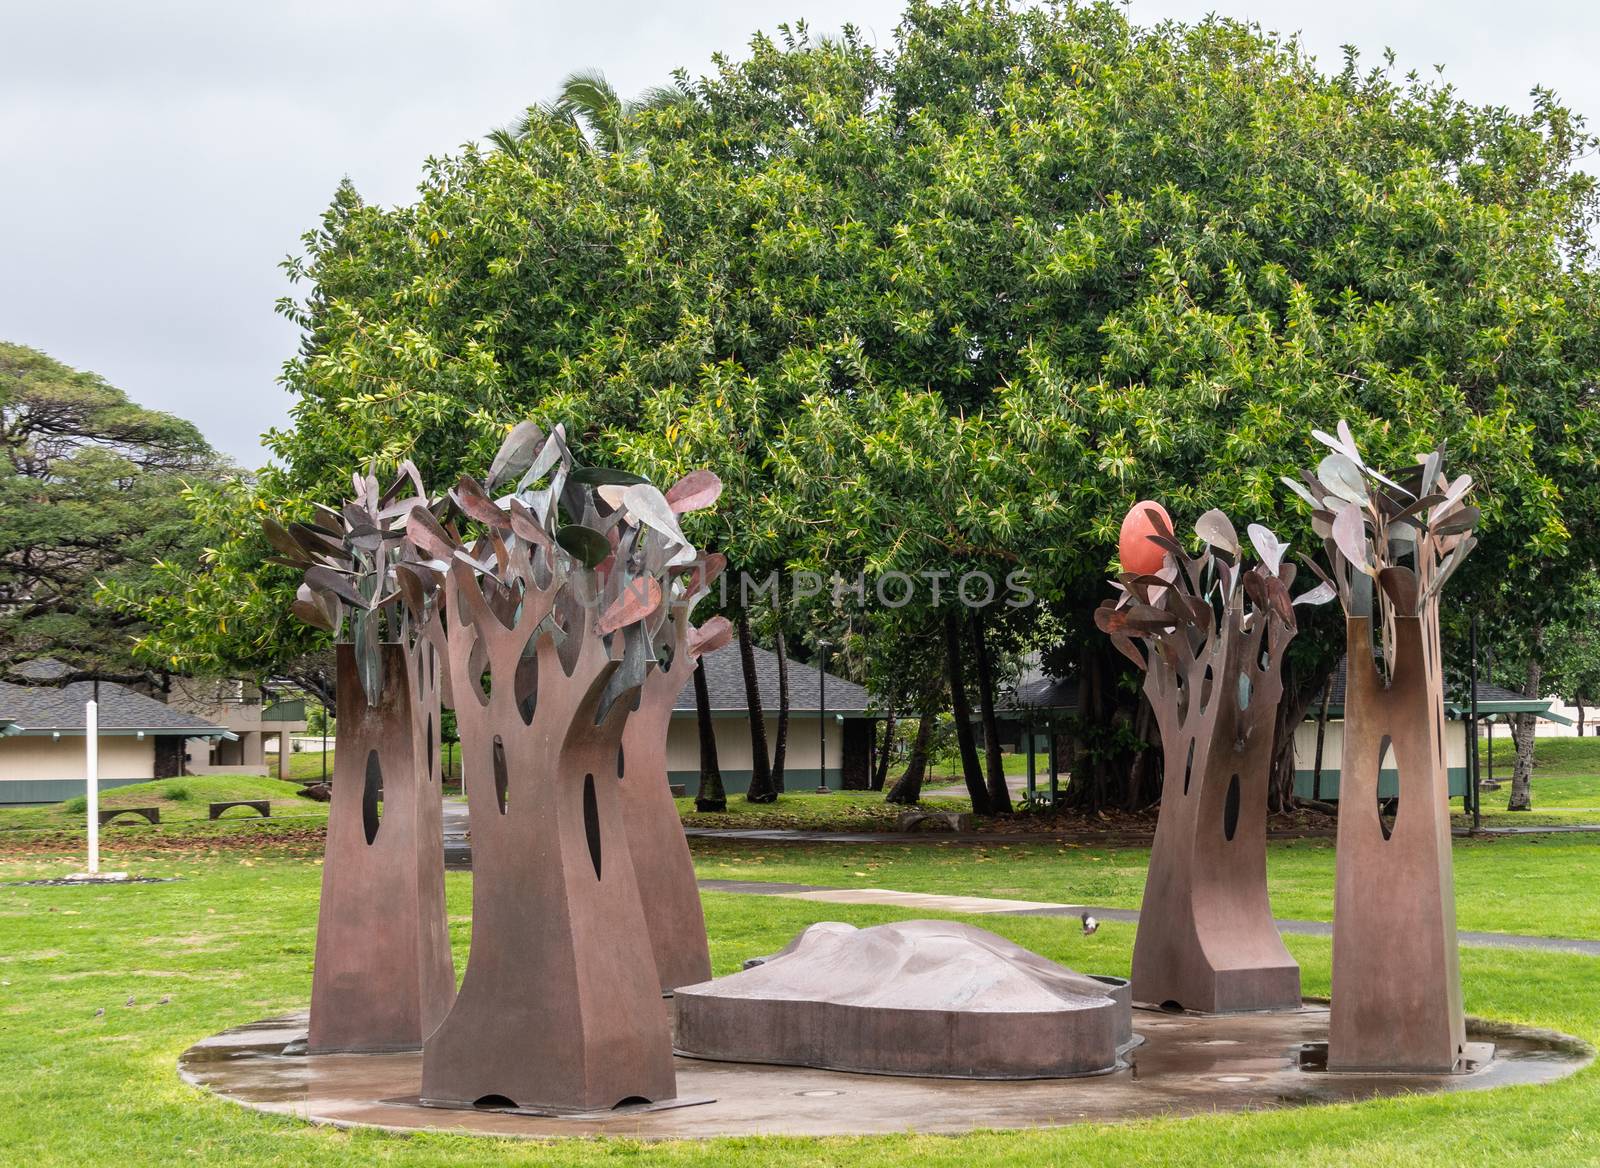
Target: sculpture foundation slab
<point x="926" y="998"/>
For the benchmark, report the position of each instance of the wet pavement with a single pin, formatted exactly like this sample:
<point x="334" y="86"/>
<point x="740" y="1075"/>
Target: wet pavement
<point x="1187" y="1065"/>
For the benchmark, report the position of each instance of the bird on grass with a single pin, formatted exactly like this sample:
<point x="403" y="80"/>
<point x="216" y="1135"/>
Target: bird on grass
<point x="129" y="1002"/>
<point x="100" y="1013"/>
<point x="164" y="1001"/>
<point x="1090" y="924"/>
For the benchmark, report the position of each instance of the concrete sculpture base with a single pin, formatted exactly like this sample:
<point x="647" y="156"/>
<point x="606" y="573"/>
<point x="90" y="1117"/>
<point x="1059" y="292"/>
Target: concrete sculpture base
<point x="934" y="998"/>
<point x="1188" y="1064"/>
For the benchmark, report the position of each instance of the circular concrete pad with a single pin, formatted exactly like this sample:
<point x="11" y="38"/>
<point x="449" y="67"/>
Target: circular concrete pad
<point x="1187" y="1064"/>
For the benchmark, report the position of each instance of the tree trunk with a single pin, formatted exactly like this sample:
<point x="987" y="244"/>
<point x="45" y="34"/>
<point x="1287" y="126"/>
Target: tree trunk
<point x="1105" y="771"/>
<point x="1522" y="733"/>
<point x="880" y="769"/>
<point x="971" y="770"/>
<point x="999" y="793"/>
<point x="1322" y="734"/>
<point x="1579" y="703"/>
<point x="710" y="796"/>
<point x="1292" y="710"/>
<point x="908" y="788"/>
<point x="780" y="748"/>
<point x="761" y="789"/>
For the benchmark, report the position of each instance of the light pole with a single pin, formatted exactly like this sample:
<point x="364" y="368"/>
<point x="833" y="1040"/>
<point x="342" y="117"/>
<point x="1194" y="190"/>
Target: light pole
<point x="822" y="719"/>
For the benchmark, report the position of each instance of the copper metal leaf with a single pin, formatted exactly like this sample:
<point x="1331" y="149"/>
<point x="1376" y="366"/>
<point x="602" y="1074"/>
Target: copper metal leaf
<point x="1350" y="535"/>
<point x="1129" y="650"/>
<point x="324" y="579"/>
<point x="1400" y="586"/>
<point x="278" y="536"/>
<point x="525" y="526"/>
<point x="695" y="490"/>
<point x="710" y="637"/>
<point x="307" y="609"/>
<point x="1458" y="521"/>
<point x="470" y="497"/>
<point x="424" y="531"/>
<point x="640" y="597"/>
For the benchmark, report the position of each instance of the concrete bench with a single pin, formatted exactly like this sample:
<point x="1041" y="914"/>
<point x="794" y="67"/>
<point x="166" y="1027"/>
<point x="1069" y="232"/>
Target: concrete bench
<point x="949" y="820"/>
<point x="262" y="807"/>
<point x="679" y="791"/>
<point x="107" y="814"/>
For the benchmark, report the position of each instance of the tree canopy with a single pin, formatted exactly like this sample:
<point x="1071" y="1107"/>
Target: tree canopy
<point x="960" y="301"/>
<point x="91" y="488"/>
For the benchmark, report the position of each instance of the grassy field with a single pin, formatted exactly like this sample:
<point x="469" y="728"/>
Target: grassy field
<point x="840" y="811"/>
<point x="181" y="802"/>
<point x="232" y="941"/>
<point x="1542" y="885"/>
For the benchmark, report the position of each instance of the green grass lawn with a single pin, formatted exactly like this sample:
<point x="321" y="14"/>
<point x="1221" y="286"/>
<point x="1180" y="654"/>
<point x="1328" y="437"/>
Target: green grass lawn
<point x="232" y="941"/>
<point x="1543" y="885"/>
<point x="181" y="802"/>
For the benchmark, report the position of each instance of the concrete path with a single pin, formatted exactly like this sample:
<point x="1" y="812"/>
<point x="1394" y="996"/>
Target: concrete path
<point x="983" y="905"/>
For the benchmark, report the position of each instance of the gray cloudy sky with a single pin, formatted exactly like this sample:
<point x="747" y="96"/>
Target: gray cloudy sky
<point x="160" y="158"/>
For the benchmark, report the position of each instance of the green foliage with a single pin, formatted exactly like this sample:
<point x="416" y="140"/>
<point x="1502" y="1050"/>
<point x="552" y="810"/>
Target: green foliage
<point x="91" y="490"/>
<point x="956" y="304"/>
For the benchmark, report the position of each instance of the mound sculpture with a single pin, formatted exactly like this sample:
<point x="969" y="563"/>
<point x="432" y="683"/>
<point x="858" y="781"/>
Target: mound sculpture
<point x="384" y="977"/>
<point x="1392" y="541"/>
<point x="935" y="998"/>
<point x="558" y="616"/>
<point x="1215" y="632"/>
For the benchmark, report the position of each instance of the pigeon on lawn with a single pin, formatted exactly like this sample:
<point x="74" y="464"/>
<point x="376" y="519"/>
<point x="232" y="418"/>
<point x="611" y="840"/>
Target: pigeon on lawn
<point x="100" y="1013"/>
<point x="1090" y="924"/>
<point x="164" y="1000"/>
<point x="129" y="1002"/>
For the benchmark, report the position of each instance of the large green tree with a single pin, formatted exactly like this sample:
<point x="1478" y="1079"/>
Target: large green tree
<point x="91" y="494"/>
<point x="956" y="303"/>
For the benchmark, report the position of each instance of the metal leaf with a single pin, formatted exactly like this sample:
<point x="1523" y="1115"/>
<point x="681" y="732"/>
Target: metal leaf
<point x="516" y="453"/>
<point x="307" y="609"/>
<point x="278" y="536"/>
<point x="1350" y="534"/>
<point x="710" y="637"/>
<point x="323" y="579"/>
<point x="1400" y="586"/>
<point x="424" y="531"/>
<point x="1321" y="594"/>
<point x="651" y="508"/>
<point x="584" y="544"/>
<point x="1215" y="528"/>
<point x="1268" y="546"/>
<point x="1343" y="478"/>
<point x="1299" y="490"/>
<point x="696" y="490"/>
<point x="475" y="504"/>
<point x="594" y="476"/>
<point x="640" y="597"/>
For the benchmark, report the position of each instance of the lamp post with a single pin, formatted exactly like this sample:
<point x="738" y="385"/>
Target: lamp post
<point x="91" y="774"/>
<point x="822" y="718"/>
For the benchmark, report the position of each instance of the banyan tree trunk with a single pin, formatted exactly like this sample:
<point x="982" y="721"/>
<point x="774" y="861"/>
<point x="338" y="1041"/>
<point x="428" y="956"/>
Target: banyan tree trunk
<point x="1206" y="938"/>
<point x="560" y="1007"/>
<point x="1396" y="981"/>
<point x="384" y="977"/>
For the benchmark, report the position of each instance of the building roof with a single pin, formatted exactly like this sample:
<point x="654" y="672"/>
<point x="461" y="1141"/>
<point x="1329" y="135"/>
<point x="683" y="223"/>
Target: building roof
<point x="725" y="686"/>
<point x="1492" y="700"/>
<point x="45" y="709"/>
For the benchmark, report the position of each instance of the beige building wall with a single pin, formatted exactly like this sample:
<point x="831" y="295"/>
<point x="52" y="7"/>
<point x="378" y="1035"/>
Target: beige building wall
<point x="30" y="756"/>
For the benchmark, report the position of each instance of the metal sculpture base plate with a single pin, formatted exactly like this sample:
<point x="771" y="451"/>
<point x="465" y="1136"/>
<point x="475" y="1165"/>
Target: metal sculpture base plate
<point x="1187" y="1065"/>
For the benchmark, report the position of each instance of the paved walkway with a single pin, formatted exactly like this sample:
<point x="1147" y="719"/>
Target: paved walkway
<point x="984" y="905"/>
<point x="1111" y="838"/>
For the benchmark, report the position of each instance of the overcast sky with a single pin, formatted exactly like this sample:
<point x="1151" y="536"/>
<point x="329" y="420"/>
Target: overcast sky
<point x="161" y="158"/>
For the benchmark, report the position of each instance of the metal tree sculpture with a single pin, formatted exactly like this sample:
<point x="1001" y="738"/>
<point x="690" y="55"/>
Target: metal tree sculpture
<point x="384" y="976"/>
<point x="1392" y="542"/>
<point x="661" y="859"/>
<point x="549" y="635"/>
<point x="1215" y="632"/>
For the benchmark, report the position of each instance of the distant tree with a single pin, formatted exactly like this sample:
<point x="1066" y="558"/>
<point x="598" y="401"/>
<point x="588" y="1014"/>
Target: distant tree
<point x="91" y="495"/>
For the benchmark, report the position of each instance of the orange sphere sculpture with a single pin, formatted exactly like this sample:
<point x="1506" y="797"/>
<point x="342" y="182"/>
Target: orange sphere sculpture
<point x="1134" y="548"/>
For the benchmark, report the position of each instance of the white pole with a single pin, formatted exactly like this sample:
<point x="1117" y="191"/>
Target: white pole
<point x="91" y="737"/>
